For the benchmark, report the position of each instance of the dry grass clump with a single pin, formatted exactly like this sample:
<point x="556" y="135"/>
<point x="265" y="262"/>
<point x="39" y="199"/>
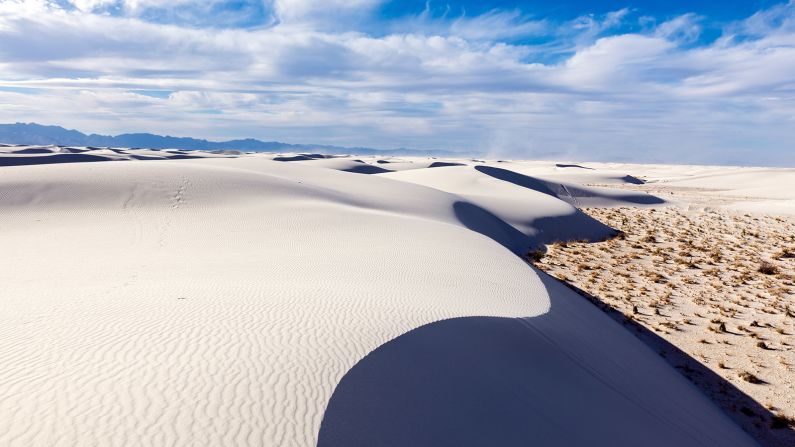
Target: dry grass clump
<point x="649" y="239"/>
<point x="562" y="277"/>
<point x="535" y="255"/>
<point x="780" y="421"/>
<point x="751" y="378"/>
<point x="767" y="268"/>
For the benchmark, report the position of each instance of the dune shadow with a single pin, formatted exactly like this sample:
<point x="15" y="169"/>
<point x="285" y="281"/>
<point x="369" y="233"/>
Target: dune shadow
<point x="562" y="378"/>
<point x="484" y="222"/>
<point x="484" y="381"/>
<point x="444" y="164"/>
<point x="522" y="180"/>
<point x="293" y="158"/>
<point x="366" y="169"/>
<point x="51" y="159"/>
<point x="749" y="414"/>
<point x="34" y="150"/>
<point x="304" y="157"/>
<point x="578" y="226"/>
<point x="74" y="150"/>
<point x="568" y="193"/>
<point x="146" y="157"/>
<point x="181" y="157"/>
<point x="564" y="165"/>
<point x="458" y="382"/>
<point x="632" y="180"/>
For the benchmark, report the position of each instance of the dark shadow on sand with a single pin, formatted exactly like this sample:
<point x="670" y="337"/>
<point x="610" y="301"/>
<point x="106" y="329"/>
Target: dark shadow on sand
<point x="181" y="157"/>
<point x="33" y="150"/>
<point x="742" y="408"/>
<point x="50" y="159"/>
<point x="366" y="169"/>
<point x="563" y="192"/>
<point x="564" y="165"/>
<point x="444" y="164"/>
<point x="491" y="381"/>
<point x="484" y="222"/>
<point x="569" y="227"/>
<point x="304" y="157"/>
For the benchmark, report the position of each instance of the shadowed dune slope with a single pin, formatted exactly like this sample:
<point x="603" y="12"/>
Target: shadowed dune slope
<point x="576" y="195"/>
<point x="337" y="163"/>
<point x="564" y="378"/>
<point x="538" y="214"/>
<point x="50" y="159"/>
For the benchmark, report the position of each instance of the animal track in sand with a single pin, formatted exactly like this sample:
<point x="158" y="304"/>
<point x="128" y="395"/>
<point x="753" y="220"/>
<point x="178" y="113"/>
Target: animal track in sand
<point x="179" y="196"/>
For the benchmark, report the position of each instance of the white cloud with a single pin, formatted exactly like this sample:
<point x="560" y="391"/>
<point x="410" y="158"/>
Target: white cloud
<point x="612" y="61"/>
<point x="590" y="26"/>
<point x="430" y="82"/>
<point x="490" y="26"/>
<point x="683" y="29"/>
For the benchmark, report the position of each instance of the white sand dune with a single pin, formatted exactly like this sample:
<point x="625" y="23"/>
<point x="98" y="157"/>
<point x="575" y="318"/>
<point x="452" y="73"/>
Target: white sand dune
<point x="346" y="163"/>
<point x="570" y="172"/>
<point x="223" y="301"/>
<point x="533" y="209"/>
<point x="752" y="189"/>
<point x="756" y="189"/>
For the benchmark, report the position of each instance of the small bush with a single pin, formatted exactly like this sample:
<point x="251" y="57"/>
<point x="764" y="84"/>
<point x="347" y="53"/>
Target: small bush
<point x="535" y="255"/>
<point x="750" y="378"/>
<point x="767" y="268"/>
<point x="562" y="277"/>
<point x="781" y="421"/>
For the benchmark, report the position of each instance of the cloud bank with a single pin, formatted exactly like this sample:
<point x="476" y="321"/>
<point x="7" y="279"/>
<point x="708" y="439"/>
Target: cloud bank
<point x="619" y="86"/>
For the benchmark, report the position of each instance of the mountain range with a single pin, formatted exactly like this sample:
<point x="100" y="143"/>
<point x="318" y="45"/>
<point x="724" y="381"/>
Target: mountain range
<point x="37" y="134"/>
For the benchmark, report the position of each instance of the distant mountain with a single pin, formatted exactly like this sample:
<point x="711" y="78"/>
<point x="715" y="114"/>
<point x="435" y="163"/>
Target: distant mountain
<point x="37" y="134"/>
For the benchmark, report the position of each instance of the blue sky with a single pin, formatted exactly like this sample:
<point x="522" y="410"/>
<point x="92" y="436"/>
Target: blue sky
<point x="688" y="82"/>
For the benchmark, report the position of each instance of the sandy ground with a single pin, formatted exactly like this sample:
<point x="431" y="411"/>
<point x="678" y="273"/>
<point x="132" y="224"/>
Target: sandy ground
<point x="718" y="285"/>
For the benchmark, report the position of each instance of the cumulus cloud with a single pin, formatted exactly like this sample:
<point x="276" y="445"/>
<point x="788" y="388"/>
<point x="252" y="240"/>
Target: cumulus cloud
<point x="503" y="82"/>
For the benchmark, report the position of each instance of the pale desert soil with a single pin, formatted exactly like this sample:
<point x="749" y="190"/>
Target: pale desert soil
<point x="718" y="285"/>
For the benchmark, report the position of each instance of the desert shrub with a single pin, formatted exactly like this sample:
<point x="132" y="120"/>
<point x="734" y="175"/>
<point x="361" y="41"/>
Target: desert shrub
<point x="780" y="421"/>
<point x="649" y="238"/>
<point x="750" y="378"/>
<point x="535" y="255"/>
<point x="767" y="268"/>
